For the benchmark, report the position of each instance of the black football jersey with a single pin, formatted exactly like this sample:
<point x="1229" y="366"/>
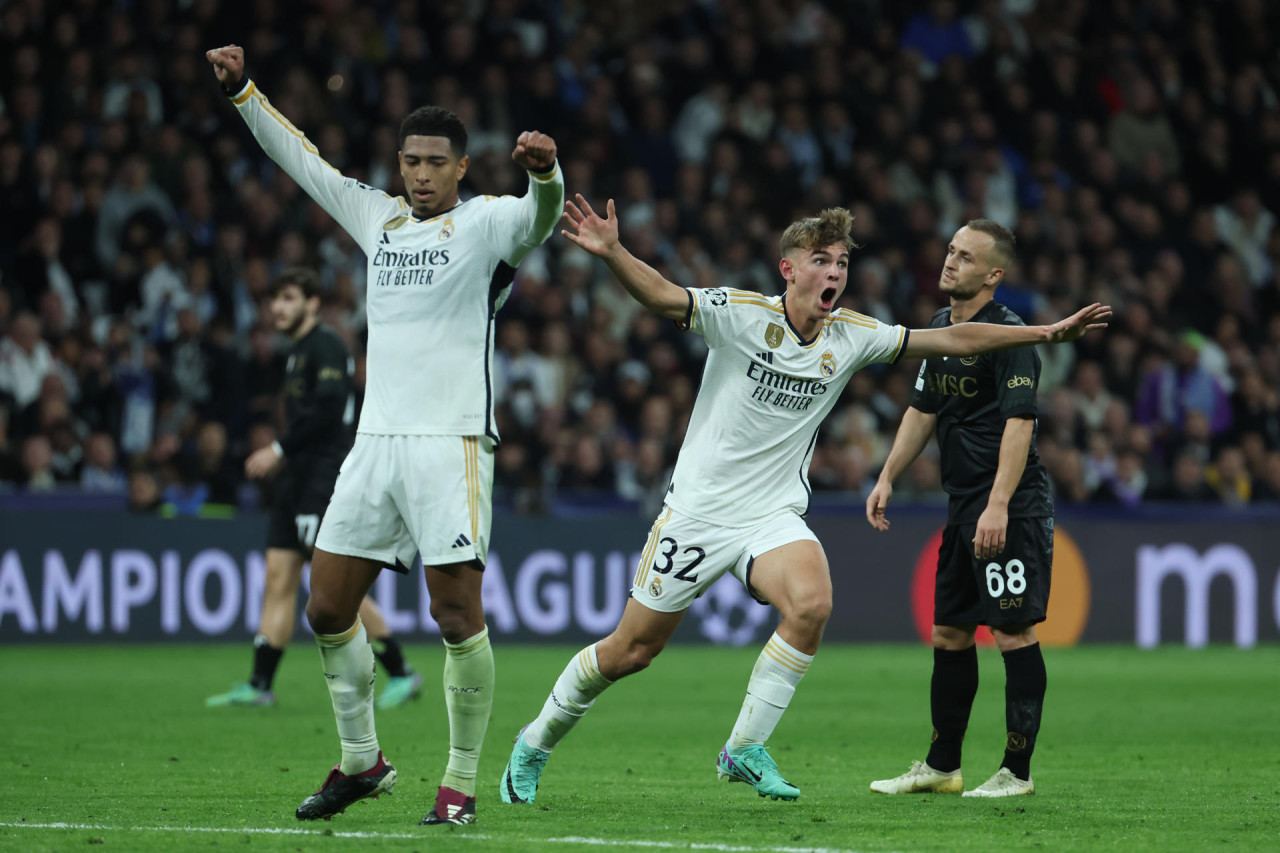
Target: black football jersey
<point x="973" y="397"/>
<point x="319" y="398"/>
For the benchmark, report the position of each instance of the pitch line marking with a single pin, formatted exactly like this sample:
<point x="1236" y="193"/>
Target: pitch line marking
<point x="571" y="839"/>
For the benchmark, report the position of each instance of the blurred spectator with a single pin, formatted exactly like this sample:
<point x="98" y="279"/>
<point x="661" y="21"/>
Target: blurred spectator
<point x="1266" y="486"/>
<point x="1255" y="408"/>
<point x="645" y="477"/>
<point x="937" y="34"/>
<point x="1127" y="484"/>
<point x="1092" y="400"/>
<point x="10" y="467"/>
<point x="144" y="492"/>
<point x="1188" y="483"/>
<point x="163" y="293"/>
<point x="1180" y="386"/>
<point x="100" y="472"/>
<point x="37" y="465"/>
<point x="25" y="360"/>
<point x="1245" y="226"/>
<point x="1142" y="129"/>
<point x="1138" y="160"/>
<point x="1229" y="478"/>
<point x="213" y="475"/>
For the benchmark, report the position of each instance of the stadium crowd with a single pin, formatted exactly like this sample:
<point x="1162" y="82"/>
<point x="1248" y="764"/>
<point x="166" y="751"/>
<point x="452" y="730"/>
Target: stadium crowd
<point x="1133" y="146"/>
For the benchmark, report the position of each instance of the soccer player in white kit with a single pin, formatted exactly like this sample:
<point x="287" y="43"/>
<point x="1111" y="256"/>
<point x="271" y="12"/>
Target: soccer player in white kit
<point x="419" y="477"/>
<point x="740" y="489"/>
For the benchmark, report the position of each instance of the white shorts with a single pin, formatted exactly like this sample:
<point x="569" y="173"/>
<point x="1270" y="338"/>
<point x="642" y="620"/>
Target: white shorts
<point x="400" y="495"/>
<point x="683" y="557"/>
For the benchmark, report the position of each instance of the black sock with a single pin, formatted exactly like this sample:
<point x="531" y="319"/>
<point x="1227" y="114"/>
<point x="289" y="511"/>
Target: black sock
<point x="951" y="692"/>
<point x="387" y="651"/>
<point x="1024" y="686"/>
<point x="266" y="658"/>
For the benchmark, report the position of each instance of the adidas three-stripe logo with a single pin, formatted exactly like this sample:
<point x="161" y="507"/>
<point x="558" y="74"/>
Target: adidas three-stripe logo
<point x="462" y="541"/>
<point x="766" y="357"/>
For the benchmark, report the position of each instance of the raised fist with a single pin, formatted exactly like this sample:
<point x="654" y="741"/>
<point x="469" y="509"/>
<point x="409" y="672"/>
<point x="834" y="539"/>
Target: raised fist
<point x="228" y="64"/>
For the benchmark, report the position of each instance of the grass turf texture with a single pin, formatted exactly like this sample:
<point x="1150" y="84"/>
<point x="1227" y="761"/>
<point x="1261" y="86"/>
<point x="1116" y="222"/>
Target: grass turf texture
<point x="1163" y="750"/>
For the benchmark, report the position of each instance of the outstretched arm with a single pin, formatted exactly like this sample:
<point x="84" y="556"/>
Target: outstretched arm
<point x="351" y="203"/>
<point x="965" y="339"/>
<point x="913" y="435"/>
<point x="539" y="209"/>
<point x="600" y="238"/>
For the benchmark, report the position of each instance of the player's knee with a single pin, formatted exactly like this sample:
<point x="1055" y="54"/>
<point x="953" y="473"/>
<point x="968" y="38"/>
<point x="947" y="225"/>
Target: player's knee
<point x="280" y="583"/>
<point x="456" y="620"/>
<point x="328" y="614"/>
<point x="1010" y="637"/>
<point x="812" y="609"/>
<point x="325" y="616"/>
<point x="953" y="638"/>
<point x="639" y="655"/>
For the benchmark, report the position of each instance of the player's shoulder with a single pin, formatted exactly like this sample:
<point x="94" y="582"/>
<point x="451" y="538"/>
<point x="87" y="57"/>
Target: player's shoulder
<point x="327" y="337"/>
<point x="941" y="318"/>
<point x="751" y="299"/>
<point x="848" y="321"/>
<point x="734" y="299"/>
<point x="481" y="205"/>
<point x="381" y="198"/>
<point x="996" y="312"/>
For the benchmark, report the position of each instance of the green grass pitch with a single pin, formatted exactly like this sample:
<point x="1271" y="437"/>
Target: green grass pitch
<point x="1167" y="750"/>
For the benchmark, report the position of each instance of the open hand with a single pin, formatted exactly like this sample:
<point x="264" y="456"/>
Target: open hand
<point x="989" y="537"/>
<point x="261" y="463"/>
<point x="228" y="64"/>
<point x="1074" y="327"/>
<point x="586" y="229"/>
<point x="535" y="151"/>
<point x="877" y="502"/>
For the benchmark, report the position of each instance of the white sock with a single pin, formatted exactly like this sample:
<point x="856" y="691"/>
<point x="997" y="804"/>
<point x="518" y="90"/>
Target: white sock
<point x="347" y="660"/>
<point x="773" y="682"/>
<point x="468" y="695"/>
<point x="575" y="690"/>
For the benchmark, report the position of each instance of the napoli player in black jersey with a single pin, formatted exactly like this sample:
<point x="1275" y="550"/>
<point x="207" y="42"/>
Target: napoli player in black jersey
<point x="997" y="548"/>
<point x="320" y="422"/>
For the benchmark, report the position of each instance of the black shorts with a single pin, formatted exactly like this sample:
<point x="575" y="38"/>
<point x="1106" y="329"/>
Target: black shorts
<point x="1010" y="589"/>
<point x="299" y="505"/>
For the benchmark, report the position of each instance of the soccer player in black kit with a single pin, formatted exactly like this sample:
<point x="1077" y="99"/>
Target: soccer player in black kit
<point x="997" y="548"/>
<point x="319" y="406"/>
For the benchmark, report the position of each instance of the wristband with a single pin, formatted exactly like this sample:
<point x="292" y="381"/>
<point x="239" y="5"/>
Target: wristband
<point x="239" y="89"/>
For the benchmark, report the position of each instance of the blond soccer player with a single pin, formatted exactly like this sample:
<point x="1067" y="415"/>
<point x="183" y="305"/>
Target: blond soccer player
<point x="739" y="493"/>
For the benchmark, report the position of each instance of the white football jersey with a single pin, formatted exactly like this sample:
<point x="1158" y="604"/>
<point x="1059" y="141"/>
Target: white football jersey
<point x="765" y="391"/>
<point x="434" y="285"/>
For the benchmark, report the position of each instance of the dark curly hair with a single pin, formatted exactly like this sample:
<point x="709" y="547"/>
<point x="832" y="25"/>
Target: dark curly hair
<point x="305" y="278"/>
<point x="435" y="121"/>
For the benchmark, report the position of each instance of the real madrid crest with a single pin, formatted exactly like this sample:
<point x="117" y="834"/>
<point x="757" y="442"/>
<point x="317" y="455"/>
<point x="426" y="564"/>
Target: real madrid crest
<point x="446" y="229"/>
<point x="828" y="364"/>
<point x="655" y="587"/>
<point x="773" y="336"/>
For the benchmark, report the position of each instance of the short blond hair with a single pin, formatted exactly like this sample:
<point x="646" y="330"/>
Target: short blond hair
<point x="833" y="225"/>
